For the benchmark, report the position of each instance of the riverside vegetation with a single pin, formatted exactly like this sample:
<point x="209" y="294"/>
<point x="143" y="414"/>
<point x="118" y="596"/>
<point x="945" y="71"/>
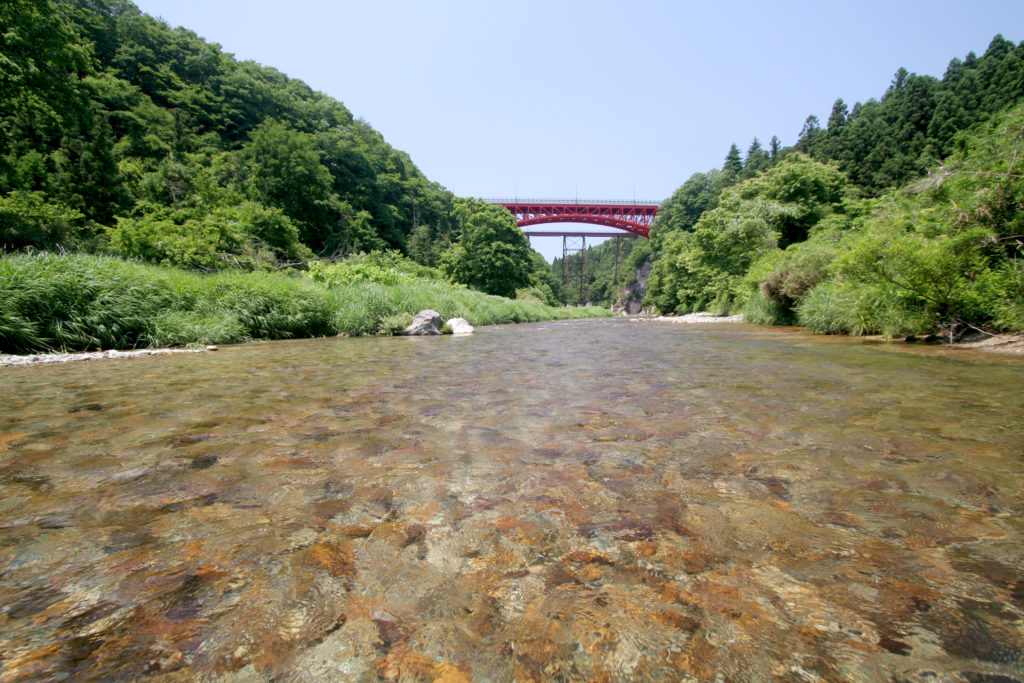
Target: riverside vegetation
<point x="82" y="302"/>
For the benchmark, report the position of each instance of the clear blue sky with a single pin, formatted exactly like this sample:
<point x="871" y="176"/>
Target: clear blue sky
<point x="591" y="99"/>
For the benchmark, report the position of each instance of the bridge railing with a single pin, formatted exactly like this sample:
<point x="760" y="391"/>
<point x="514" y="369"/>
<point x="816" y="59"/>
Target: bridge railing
<point x="533" y="200"/>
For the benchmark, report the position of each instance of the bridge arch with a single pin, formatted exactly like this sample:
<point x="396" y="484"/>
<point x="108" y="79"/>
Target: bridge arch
<point x="634" y="218"/>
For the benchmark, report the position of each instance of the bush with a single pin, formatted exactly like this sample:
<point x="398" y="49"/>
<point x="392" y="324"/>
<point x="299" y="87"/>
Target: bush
<point x="388" y="267"/>
<point x="269" y="306"/>
<point x="249" y="236"/>
<point x="28" y="219"/>
<point x="1009" y="312"/>
<point x="832" y="308"/>
<point x="844" y="307"/>
<point x="540" y="294"/>
<point x="394" y="323"/>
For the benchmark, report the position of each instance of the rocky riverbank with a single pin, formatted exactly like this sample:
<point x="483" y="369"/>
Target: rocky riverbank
<point x="40" y="358"/>
<point x="1010" y="344"/>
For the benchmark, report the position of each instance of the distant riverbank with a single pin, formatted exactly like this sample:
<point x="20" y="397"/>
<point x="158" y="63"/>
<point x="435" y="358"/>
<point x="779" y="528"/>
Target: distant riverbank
<point x="51" y="303"/>
<point x="991" y="343"/>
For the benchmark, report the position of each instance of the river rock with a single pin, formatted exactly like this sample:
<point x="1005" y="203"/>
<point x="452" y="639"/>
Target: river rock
<point x="461" y="326"/>
<point x="425" y="322"/>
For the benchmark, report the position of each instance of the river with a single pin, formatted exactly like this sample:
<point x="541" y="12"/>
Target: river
<point x="596" y="500"/>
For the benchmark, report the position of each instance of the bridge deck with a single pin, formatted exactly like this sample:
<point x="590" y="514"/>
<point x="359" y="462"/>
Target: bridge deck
<point x="563" y="233"/>
<point x="603" y="202"/>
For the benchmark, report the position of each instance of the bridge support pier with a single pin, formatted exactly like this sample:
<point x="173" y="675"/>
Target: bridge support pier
<point x="575" y="246"/>
<point x="618" y="258"/>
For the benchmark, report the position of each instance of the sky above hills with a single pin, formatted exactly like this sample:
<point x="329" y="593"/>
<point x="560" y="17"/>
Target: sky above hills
<point x="596" y="99"/>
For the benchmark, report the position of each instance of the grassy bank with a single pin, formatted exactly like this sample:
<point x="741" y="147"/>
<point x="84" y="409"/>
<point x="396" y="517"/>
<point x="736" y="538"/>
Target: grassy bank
<point x="82" y="303"/>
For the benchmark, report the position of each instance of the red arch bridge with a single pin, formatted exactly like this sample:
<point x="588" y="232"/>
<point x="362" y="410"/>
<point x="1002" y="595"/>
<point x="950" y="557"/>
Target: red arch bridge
<point x="628" y="218"/>
<point x="633" y="218"/>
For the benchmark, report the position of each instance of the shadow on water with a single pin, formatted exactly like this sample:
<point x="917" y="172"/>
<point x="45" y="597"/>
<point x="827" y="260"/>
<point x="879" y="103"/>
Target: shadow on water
<point x="593" y="500"/>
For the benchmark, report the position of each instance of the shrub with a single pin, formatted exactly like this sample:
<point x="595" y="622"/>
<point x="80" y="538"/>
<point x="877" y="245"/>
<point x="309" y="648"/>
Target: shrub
<point x="388" y="267"/>
<point x="269" y="306"/>
<point x="394" y="323"/>
<point x="832" y="308"/>
<point x="28" y="219"/>
<point x="190" y="328"/>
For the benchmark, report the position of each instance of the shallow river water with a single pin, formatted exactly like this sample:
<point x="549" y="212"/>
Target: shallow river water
<point x="595" y="500"/>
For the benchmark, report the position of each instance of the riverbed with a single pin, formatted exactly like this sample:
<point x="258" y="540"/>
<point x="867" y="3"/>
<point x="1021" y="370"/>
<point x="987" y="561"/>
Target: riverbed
<point x="586" y="500"/>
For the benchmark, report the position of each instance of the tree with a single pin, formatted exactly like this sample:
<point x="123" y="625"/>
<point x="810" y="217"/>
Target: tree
<point x="684" y="208"/>
<point x="706" y="267"/>
<point x="733" y="163"/>
<point x="281" y="167"/>
<point x="757" y="160"/>
<point x="811" y="190"/>
<point x="492" y="254"/>
<point x="809" y="134"/>
<point x="837" y="119"/>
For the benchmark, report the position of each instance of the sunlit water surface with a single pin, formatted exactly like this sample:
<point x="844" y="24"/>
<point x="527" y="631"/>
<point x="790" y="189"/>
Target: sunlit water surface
<point x="596" y="500"/>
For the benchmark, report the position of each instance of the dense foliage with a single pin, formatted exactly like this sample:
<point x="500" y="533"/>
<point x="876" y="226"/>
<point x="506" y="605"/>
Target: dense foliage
<point x="119" y="134"/>
<point x="704" y="265"/>
<point x="841" y="233"/>
<point x="116" y="128"/>
<point x="946" y="252"/>
<point x="492" y="253"/>
<point x="884" y="143"/>
<point x="609" y="268"/>
<point x="388" y="267"/>
<point x="797" y="244"/>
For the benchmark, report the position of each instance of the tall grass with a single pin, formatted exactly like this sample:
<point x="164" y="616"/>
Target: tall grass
<point x="841" y="307"/>
<point x="81" y="303"/>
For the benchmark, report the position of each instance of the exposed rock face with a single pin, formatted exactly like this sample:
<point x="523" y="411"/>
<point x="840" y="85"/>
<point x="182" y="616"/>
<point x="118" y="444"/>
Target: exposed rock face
<point x="619" y="307"/>
<point x="426" y="322"/>
<point x="460" y="326"/>
<point x="638" y="291"/>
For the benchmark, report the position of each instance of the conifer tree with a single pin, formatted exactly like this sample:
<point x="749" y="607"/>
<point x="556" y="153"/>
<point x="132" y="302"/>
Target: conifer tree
<point x="809" y="134"/>
<point x="733" y="163"/>
<point x="757" y="160"/>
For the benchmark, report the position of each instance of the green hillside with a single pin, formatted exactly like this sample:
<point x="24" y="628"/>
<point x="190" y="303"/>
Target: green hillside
<point x="119" y="132"/>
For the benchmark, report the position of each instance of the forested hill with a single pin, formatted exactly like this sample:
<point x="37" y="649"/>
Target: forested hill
<point x="901" y="216"/>
<point x="883" y="143"/>
<point x="117" y="129"/>
<point x="878" y="145"/>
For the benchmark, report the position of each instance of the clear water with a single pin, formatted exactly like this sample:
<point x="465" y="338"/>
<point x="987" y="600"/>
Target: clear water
<point x="594" y="500"/>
